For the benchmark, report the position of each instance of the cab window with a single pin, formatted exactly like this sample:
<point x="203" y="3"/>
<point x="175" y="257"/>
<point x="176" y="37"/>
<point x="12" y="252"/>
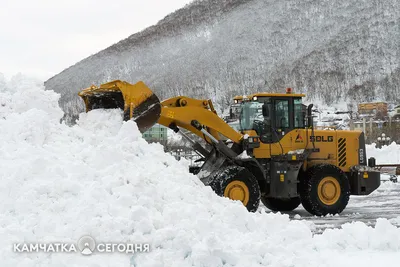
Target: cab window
<point x="298" y="113"/>
<point x="282" y="114"/>
<point x="251" y="114"/>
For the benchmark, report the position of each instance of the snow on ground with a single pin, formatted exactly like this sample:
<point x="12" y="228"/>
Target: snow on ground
<point x="100" y="178"/>
<point x="382" y="203"/>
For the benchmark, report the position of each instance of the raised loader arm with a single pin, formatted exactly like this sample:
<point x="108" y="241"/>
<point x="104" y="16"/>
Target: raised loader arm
<point x="195" y="115"/>
<point x="143" y="106"/>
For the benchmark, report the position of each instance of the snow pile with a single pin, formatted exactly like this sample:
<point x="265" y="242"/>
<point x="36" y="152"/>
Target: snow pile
<point x="386" y="155"/>
<point x="386" y="189"/>
<point x="100" y="178"/>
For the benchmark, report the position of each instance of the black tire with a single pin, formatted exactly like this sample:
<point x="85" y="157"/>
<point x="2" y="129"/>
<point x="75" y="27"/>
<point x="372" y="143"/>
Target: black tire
<point x="277" y="204"/>
<point x="234" y="177"/>
<point x="313" y="197"/>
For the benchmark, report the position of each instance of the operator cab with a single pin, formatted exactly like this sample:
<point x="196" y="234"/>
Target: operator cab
<point x="272" y="115"/>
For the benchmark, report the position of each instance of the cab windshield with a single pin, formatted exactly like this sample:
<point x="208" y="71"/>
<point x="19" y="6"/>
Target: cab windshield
<point x="235" y="111"/>
<point x="251" y="112"/>
<point x="287" y="113"/>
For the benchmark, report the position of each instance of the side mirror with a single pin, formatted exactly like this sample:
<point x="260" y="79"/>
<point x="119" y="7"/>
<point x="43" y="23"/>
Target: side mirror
<point x="265" y="110"/>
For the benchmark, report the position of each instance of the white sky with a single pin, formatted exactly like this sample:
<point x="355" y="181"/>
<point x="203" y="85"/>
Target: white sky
<point x="40" y="38"/>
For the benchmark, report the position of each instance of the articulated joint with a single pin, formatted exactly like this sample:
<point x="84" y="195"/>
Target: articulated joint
<point x="196" y="125"/>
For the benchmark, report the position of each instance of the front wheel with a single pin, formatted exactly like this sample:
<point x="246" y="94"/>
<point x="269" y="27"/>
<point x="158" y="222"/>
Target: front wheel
<point x="324" y="189"/>
<point x="237" y="183"/>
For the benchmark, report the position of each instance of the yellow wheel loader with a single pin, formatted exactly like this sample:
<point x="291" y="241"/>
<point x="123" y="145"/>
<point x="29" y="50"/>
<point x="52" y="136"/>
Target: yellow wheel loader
<point x="277" y="157"/>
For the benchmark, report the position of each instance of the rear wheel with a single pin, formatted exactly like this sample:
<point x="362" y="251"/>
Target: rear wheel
<point x="324" y="189"/>
<point x="277" y="204"/>
<point x="237" y="183"/>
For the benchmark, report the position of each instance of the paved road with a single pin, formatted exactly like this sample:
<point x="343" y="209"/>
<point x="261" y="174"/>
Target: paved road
<point x="383" y="203"/>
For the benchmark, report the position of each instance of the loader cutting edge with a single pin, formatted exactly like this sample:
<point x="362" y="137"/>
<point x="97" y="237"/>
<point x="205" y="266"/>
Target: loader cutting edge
<point x="137" y="101"/>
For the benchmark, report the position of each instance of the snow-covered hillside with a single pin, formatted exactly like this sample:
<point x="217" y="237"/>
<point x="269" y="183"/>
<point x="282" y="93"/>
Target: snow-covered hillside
<point x="101" y="178"/>
<point x="332" y="50"/>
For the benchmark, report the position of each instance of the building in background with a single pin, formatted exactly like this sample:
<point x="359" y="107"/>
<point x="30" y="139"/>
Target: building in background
<point x="396" y="112"/>
<point x="157" y="134"/>
<point x="375" y="110"/>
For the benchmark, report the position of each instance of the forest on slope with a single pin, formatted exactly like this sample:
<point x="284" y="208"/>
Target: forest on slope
<point x="331" y="50"/>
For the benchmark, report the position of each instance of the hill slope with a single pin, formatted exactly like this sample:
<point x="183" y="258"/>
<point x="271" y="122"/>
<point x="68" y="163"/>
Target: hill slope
<point x="220" y="48"/>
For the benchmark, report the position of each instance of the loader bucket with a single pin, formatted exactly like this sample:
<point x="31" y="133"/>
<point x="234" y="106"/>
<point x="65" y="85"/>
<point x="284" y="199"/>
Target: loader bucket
<point x="136" y="100"/>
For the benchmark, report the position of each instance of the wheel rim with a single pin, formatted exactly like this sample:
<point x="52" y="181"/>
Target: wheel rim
<point x="237" y="190"/>
<point x="329" y="190"/>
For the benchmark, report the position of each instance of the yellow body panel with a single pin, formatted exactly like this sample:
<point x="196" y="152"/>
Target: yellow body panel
<point x="326" y="141"/>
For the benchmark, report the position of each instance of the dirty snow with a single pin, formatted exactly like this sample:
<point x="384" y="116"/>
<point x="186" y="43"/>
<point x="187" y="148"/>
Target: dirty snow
<point x="297" y="151"/>
<point x="100" y="178"/>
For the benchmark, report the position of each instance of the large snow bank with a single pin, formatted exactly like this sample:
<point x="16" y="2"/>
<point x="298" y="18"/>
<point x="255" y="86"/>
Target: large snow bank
<point x="386" y="155"/>
<point x="100" y="178"/>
